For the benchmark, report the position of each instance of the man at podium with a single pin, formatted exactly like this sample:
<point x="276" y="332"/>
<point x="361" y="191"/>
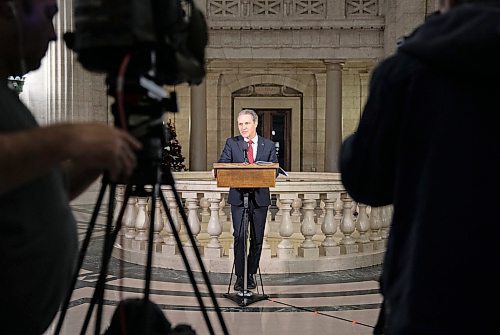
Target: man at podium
<point x="248" y="147"/>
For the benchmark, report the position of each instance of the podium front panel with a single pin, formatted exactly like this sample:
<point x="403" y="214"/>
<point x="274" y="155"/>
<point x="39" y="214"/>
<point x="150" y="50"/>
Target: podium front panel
<point x="237" y="175"/>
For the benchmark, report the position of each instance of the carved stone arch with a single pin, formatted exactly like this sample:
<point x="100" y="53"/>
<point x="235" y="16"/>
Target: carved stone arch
<point x="268" y="92"/>
<point x="267" y="79"/>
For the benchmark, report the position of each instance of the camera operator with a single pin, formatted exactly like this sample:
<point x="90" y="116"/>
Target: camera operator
<point x="41" y="170"/>
<point x="428" y="143"/>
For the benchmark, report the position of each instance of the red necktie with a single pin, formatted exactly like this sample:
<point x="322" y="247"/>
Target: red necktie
<point x="250" y="152"/>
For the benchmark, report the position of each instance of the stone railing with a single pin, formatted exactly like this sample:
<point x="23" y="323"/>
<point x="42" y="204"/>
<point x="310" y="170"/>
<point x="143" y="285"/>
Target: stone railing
<point x="312" y="226"/>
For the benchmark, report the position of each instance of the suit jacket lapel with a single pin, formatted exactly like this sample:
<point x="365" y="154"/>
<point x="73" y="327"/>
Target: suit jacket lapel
<point x="260" y="149"/>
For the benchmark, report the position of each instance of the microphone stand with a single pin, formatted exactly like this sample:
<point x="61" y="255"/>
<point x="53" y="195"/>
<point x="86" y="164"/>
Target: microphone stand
<point x="245" y="297"/>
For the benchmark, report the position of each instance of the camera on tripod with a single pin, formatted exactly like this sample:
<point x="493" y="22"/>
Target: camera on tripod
<point x="141" y="45"/>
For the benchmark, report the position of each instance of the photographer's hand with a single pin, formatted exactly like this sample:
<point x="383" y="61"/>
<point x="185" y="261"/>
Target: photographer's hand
<point x="100" y="148"/>
<point x="85" y="149"/>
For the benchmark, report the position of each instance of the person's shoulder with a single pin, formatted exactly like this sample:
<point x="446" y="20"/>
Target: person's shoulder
<point x="265" y="140"/>
<point x="233" y="140"/>
<point x="396" y="68"/>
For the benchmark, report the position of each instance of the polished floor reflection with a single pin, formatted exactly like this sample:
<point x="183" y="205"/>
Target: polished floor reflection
<point x="340" y="303"/>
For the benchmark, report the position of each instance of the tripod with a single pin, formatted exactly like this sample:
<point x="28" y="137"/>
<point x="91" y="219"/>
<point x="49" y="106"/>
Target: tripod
<point x="245" y="297"/>
<point x="158" y="177"/>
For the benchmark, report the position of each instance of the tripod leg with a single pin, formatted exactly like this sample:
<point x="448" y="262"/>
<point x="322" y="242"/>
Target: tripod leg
<point x="200" y="262"/>
<point x="106" y="257"/>
<point x="104" y="265"/>
<point x="230" y="279"/>
<point x="245" y="246"/>
<point x="185" y="260"/>
<point x="81" y="255"/>
<point x="261" y="283"/>
<point x="149" y="261"/>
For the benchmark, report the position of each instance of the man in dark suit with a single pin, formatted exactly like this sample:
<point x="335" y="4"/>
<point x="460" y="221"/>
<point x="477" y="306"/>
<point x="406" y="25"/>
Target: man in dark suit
<point x="252" y="148"/>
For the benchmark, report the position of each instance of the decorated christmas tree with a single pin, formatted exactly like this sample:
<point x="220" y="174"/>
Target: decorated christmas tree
<point x="172" y="155"/>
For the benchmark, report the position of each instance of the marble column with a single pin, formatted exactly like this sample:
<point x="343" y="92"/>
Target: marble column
<point x="333" y="117"/>
<point x="198" y="128"/>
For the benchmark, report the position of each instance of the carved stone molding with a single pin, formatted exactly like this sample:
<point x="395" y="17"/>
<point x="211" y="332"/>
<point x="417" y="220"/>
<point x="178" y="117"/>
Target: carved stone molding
<point x="267" y="90"/>
<point x="361" y="7"/>
<point x="267" y="9"/>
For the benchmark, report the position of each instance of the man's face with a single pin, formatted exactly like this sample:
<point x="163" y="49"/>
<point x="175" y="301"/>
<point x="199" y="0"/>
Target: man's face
<point x="246" y="126"/>
<point x="31" y="39"/>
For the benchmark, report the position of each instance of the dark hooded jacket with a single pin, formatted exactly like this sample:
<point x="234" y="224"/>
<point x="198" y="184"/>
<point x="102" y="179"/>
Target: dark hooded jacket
<point x="429" y="143"/>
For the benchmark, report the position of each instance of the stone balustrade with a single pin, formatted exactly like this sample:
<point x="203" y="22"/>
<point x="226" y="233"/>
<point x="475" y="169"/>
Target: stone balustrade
<point x="312" y="226"/>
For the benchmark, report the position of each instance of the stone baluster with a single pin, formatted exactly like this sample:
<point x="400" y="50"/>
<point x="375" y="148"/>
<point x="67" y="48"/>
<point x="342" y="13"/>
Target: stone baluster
<point x="363" y="227"/>
<point x="120" y="192"/>
<point x="329" y="246"/>
<point x="222" y="213"/>
<point x="205" y="212"/>
<point x="339" y="213"/>
<point x="129" y="218"/>
<point x="193" y="221"/>
<point x="170" y="246"/>
<point x="279" y="213"/>
<point x="320" y="214"/>
<point x="348" y="244"/>
<point x="214" y="228"/>
<point x="158" y="226"/>
<point x="375" y="224"/>
<point x="295" y="216"/>
<point x="174" y="210"/>
<point x="363" y="224"/>
<point x="141" y="223"/>
<point x="386" y="221"/>
<point x="308" y="249"/>
<point x="285" y="247"/>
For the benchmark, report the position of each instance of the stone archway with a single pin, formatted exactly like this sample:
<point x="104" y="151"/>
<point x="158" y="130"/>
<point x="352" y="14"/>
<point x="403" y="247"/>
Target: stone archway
<point x="274" y="97"/>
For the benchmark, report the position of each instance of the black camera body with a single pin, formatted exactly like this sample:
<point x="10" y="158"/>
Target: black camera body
<point x="175" y="30"/>
<point x="162" y="42"/>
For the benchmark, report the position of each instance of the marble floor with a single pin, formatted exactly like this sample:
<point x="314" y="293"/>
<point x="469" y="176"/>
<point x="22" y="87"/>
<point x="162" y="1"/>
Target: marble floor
<point x="339" y="303"/>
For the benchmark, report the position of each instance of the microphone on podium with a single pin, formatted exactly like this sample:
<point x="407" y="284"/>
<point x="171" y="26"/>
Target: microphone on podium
<point x="245" y="156"/>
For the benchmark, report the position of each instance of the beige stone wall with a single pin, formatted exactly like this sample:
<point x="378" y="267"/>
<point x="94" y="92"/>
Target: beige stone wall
<point x="285" y="47"/>
<point x="354" y="94"/>
<point x="308" y="118"/>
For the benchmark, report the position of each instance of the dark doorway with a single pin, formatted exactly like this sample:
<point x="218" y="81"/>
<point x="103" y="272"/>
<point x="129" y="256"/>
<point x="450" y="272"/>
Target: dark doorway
<point x="275" y="124"/>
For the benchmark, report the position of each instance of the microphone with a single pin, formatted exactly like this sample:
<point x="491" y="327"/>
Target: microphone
<point x="245" y="153"/>
<point x="245" y="156"/>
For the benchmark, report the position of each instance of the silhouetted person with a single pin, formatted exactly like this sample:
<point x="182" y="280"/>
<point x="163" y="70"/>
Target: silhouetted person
<point x="429" y="143"/>
<point x="41" y="170"/>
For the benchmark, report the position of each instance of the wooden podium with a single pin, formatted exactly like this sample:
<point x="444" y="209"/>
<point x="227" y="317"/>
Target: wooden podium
<point x="241" y="175"/>
<point x="245" y="177"/>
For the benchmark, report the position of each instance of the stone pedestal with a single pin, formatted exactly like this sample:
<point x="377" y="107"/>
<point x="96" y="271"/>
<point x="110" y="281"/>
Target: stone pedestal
<point x="329" y="251"/>
<point x="285" y="253"/>
<point x="213" y="253"/>
<point x="366" y="247"/>
<point x="347" y="249"/>
<point x="379" y="245"/>
<point x="169" y="249"/>
<point x="308" y="252"/>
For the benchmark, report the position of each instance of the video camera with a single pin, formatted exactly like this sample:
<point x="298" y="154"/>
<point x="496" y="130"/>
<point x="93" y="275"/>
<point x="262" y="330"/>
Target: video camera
<point x="175" y="31"/>
<point x="141" y="45"/>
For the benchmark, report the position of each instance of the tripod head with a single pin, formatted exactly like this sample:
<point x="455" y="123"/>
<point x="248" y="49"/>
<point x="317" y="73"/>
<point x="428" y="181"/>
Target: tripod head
<point x="139" y="108"/>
